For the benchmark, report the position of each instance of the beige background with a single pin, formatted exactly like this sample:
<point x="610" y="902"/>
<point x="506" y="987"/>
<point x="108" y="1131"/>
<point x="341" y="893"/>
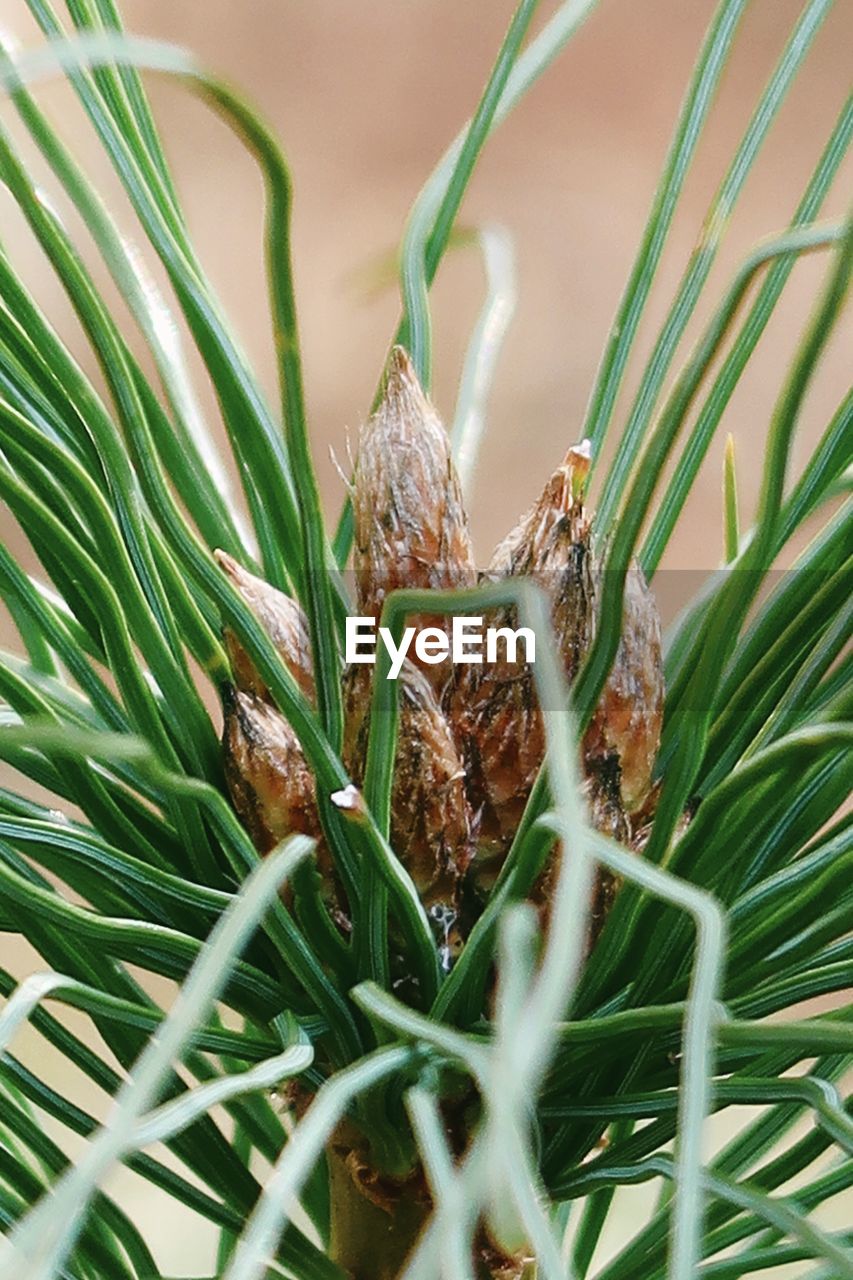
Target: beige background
<point x="366" y="94"/>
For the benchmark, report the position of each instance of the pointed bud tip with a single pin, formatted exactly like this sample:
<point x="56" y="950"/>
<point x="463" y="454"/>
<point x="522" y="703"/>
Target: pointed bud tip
<point x="577" y="462"/>
<point x="400" y="364"/>
<point x="403" y="394"/>
<point x="578" y="454"/>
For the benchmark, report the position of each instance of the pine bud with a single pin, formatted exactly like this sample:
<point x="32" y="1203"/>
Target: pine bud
<point x="540" y="544"/>
<point x="411" y="529"/>
<point x="271" y="786"/>
<point x="607" y="816"/>
<point x="493" y="707"/>
<point x="627" y="721"/>
<point x="430" y="815"/>
<point x="284" y="623"/>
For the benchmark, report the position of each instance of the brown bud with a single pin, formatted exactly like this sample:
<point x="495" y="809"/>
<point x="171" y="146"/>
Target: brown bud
<point x="607" y="816"/>
<point x="540" y="542"/>
<point x="430" y="815"/>
<point x="411" y="529"/>
<point x="284" y="623"/>
<point x="497" y="723"/>
<point x="271" y="786"/>
<point x="493" y="707"/>
<point x="628" y="718"/>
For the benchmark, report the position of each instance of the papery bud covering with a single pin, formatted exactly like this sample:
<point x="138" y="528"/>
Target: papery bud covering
<point x="411" y="528"/>
<point x="627" y="721"/>
<point x="270" y="783"/>
<point x="430" y="814"/>
<point x="492" y="707"/>
<point x="282" y="619"/>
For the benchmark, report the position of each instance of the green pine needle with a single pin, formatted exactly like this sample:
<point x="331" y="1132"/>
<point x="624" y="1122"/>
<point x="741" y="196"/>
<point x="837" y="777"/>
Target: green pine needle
<point x="590" y="1073"/>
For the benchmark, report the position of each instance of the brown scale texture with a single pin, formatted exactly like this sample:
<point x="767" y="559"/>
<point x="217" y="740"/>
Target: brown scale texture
<point x="270" y="783"/>
<point x="469" y="747"/>
<point x="284" y="623"/>
<point x="411" y="529"/>
<point x="629" y="715"/>
<point x="430" y="815"/>
<point x="271" y="786"/>
<point x="606" y="815"/>
<point x="492" y="707"/>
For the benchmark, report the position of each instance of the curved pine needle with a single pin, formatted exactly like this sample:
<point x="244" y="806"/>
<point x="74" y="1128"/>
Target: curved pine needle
<point x="700" y="95"/>
<point x="715" y="222"/>
<point x="45" y="1237"/>
<point x="434" y="212"/>
<point x="483" y="351"/>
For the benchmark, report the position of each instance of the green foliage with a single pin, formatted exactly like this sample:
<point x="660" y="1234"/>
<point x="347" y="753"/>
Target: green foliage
<point x="742" y="917"/>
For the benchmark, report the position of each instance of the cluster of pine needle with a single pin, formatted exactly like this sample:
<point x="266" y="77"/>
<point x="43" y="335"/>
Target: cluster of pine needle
<point x="457" y="957"/>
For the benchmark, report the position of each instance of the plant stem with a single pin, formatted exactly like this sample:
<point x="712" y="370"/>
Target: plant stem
<point x="376" y="1220"/>
<point x="372" y="1233"/>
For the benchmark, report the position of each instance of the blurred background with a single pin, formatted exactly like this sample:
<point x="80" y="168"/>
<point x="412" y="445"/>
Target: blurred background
<point x="366" y="97"/>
